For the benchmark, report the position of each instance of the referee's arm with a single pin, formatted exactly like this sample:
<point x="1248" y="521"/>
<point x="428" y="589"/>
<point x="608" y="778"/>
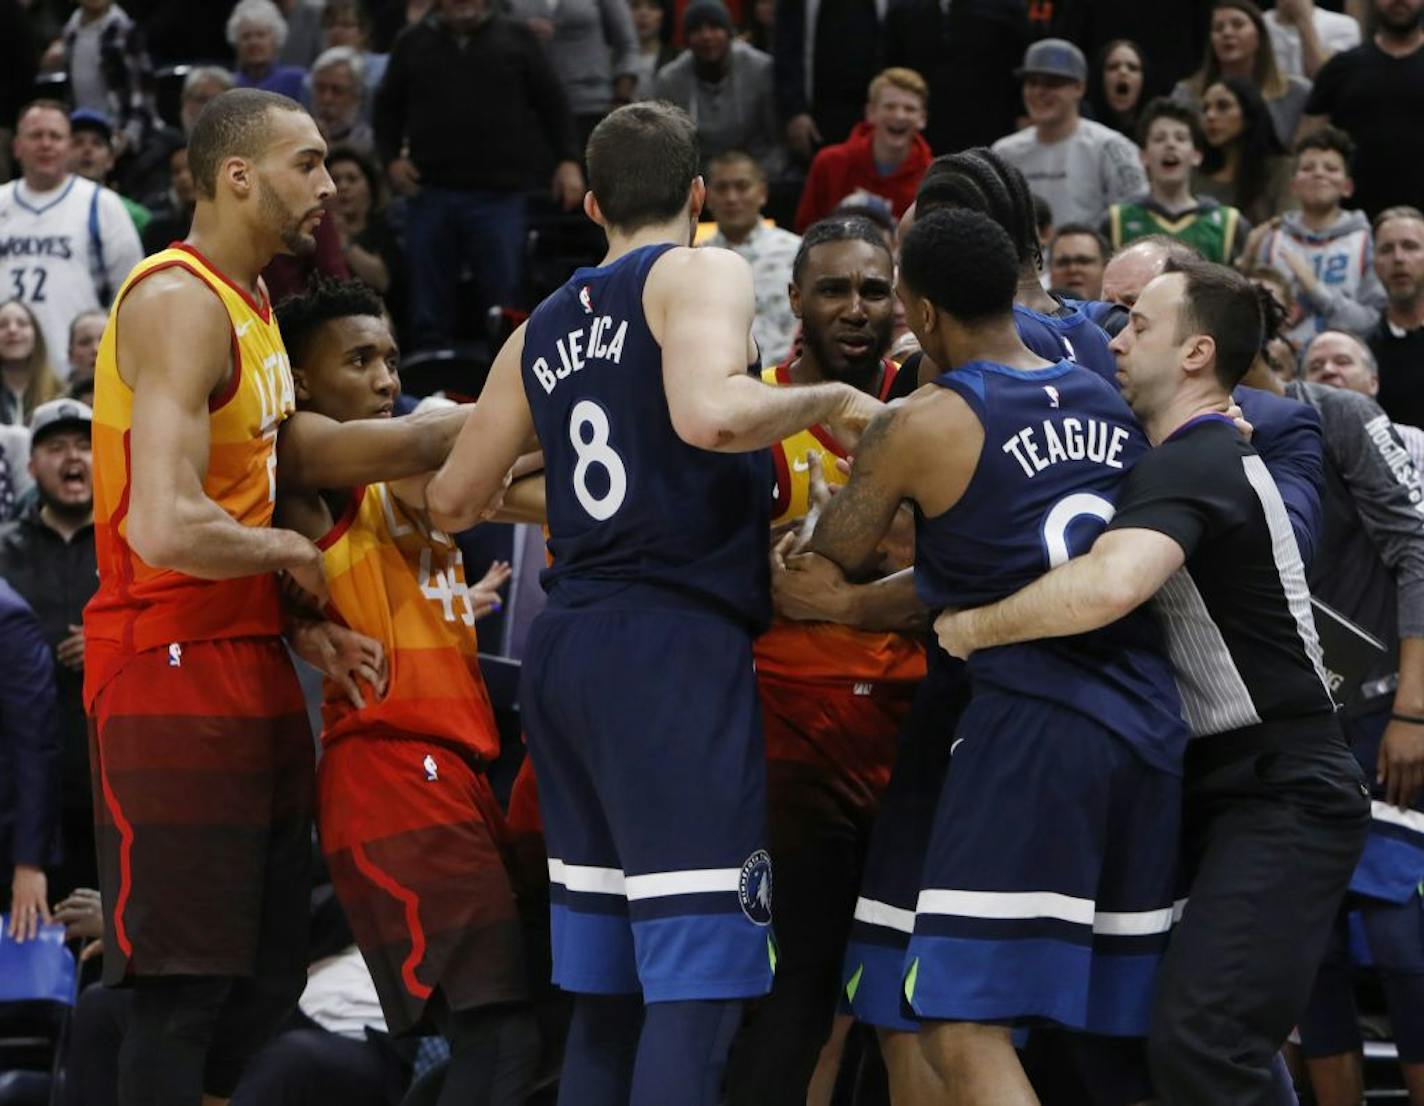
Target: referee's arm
<point x="1123" y="570"/>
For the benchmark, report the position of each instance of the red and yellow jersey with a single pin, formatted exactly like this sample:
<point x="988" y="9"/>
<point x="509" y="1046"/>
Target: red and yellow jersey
<point x="822" y="651"/>
<point x="395" y="578"/>
<point x="137" y="606"/>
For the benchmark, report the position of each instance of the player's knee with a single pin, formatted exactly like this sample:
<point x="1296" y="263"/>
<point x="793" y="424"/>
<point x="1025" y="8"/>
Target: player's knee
<point x="954" y="1048"/>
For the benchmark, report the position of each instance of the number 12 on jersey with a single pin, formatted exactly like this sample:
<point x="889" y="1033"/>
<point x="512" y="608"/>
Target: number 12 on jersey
<point x="588" y="433"/>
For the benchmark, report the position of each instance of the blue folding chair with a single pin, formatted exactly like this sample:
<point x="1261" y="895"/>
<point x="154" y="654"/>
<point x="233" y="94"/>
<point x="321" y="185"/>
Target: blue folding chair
<point x="38" y="987"/>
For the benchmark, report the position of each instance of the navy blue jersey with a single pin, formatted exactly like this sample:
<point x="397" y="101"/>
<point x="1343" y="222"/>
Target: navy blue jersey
<point x="1057" y="445"/>
<point x="629" y="502"/>
<point x="1073" y="336"/>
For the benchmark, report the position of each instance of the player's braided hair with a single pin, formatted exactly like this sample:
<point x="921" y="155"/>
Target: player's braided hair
<point x="982" y="181"/>
<point x="325" y="299"/>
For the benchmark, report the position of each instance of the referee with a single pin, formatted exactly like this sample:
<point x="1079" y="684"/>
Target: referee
<point x="1276" y="809"/>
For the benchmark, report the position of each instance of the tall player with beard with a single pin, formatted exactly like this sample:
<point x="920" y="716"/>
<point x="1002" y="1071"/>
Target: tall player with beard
<point x="199" y="745"/>
<point x="832" y="697"/>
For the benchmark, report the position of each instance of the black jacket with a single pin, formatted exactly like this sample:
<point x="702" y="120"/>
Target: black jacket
<point x="486" y="114"/>
<point x="56" y="578"/>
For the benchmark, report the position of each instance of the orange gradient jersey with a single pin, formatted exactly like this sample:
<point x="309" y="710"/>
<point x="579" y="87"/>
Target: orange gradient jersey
<point x="394" y="578"/>
<point x="139" y="607"/>
<point x="823" y="651"/>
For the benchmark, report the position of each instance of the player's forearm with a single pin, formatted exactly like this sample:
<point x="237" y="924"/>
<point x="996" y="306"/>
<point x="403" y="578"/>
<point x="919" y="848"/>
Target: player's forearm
<point x="1085" y="594"/>
<point x="1409" y="696"/>
<point x="889" y="604"/>
<point x="201" y="539"/>
<point x="369" y="451"/>
<point x="744" y="414"/>
<point x="524" y="502"/>
<point x="1313" y="53"/>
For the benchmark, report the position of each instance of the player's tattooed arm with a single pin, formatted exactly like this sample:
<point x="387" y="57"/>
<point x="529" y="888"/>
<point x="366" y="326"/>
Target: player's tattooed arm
<point x="315" y="453"/>
<point x="853" y="522"/>
<point x="1122" y="571"/>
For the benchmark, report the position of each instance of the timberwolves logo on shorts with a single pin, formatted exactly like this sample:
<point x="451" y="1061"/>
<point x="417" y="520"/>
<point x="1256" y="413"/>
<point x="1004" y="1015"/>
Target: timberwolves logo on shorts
<point x="754" y="888"/>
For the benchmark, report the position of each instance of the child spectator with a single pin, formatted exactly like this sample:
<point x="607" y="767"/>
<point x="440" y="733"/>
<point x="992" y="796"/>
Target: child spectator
<point x="1171" y="152"/>
<point x="1325" y="253"/>
<point x="884" y="158"/>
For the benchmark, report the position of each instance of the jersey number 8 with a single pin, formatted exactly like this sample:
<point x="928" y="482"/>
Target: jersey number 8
<point x="594" y="450"/>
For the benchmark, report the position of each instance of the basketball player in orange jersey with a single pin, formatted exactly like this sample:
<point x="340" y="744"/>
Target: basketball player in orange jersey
<point x="200" y="750"/>
<point x="413" y="836"/>
<point x="832" y="697"/>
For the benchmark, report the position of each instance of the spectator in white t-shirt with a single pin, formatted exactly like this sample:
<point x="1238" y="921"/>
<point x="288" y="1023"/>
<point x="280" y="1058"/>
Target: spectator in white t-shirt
<point x="736" y="194"/>
<point x="1304" y="36"/>
<point x="1080" y="167"/>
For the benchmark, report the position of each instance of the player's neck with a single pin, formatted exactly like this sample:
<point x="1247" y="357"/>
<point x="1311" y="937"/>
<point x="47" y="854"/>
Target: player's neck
<point x="1030" y="294"/>
<point x="229" y="247"/>
<point x="997" y="341"/>
<point x="676" y="232"/>
<point x="1173" y="196"/>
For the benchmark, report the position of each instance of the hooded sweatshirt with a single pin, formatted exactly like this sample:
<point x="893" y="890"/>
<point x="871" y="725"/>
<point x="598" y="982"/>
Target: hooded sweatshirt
<point x="849" y="167"/>
<point x="1350" y="296"/>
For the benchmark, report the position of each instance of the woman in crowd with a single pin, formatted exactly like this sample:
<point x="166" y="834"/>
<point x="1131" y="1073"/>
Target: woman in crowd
<point x="372" y="251"/>
<point x="345" y="23"/>
<point x="26" y="379"/>
<point x="653" y="50"/>
<point x="1115" y="92"/>
<point x="256" y="32"/>
<point x="1244" y="164"/>
<point x="1240" y="46"/>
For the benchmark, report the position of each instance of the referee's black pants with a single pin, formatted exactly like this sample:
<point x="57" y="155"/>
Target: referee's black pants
<point x="1272" y="827"/>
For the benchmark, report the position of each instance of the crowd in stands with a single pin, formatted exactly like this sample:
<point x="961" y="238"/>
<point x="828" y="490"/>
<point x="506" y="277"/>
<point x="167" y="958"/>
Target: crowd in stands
<point x="1285" y="141"/>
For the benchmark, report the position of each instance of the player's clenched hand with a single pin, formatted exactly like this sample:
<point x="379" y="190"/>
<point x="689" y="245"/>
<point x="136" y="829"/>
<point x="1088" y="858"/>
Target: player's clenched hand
<point x="806" y="587"/>
<point x="82" y="916"/>
<point x="344" y="656"/>
<point x="849" y="423"/>
<point x="1401" y="762"/>
<point x="952" y="628"/>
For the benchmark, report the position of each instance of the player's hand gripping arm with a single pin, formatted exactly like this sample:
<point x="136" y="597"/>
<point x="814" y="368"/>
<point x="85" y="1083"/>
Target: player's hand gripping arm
<point x="174" y="349"/>
<point x="1122" y="571"/>
<point x="700" y="306"/>
<point x="497" y="432"/>
<point x="316" y="453"/>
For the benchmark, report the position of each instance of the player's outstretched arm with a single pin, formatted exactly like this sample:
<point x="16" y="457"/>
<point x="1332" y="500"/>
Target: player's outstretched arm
<point x="1123" y="570"/>
<point x="498" y="431"/>
<point x="700" y="306"/>
<point x="315" y="453"/>
<point x="173" y="350"/>
<point x="807" y="587"/>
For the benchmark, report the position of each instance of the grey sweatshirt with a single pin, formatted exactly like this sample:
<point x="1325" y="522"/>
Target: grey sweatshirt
<point x="737" y="113"/>
<point x="593" y="43"/>
<point x="1370" y="561"/>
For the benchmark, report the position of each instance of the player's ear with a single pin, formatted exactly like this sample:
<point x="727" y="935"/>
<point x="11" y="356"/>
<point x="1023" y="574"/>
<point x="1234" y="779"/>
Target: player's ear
<point x="697" y="197"/>
<point x="299" y="381"/>
<point x="591" y="208"/>
<point x="1198" y="354"/>
<point x="794" y="295"/>
<point x="238" y="174"/>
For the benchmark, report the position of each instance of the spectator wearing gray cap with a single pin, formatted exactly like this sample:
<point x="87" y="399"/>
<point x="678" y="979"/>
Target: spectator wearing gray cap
<point x="726" y="86"/>
<point x="1080" y="167"/>
<point x="47" y="555"/>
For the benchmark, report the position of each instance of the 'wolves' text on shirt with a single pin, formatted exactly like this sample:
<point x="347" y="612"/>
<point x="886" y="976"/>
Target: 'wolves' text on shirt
<point x="54" y="245"/>
<point x="580" y="346"/>
<point x="1069" y="439"/>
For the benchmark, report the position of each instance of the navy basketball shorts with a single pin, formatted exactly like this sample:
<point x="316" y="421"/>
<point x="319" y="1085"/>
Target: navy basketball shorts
<point x="1392" y="865"/>
<point x="1049" y="886"/>
<point x="645" y="731"/>
<point x="874" y="972"/>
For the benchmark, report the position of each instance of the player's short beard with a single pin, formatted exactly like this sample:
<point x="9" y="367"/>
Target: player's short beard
<point x="276" y="214"/>
<point x="863" y="368"/>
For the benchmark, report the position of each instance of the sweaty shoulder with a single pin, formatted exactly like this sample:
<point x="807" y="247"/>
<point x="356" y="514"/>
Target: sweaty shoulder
<point x="706" y="274"/>
<point x="942" y="438"/>
<point x="173" y="310"/>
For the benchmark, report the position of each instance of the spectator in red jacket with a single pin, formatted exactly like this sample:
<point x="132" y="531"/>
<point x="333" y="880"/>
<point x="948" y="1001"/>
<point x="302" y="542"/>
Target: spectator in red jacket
<point x="884" y="158"/>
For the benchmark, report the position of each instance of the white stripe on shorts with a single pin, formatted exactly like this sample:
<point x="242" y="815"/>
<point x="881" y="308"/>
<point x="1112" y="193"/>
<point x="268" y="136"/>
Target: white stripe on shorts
<point x="884" y="915"/>
<point x="1046" y="904"/>
<point x="1409" y="819"/>
<point x="654" y="885"/>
